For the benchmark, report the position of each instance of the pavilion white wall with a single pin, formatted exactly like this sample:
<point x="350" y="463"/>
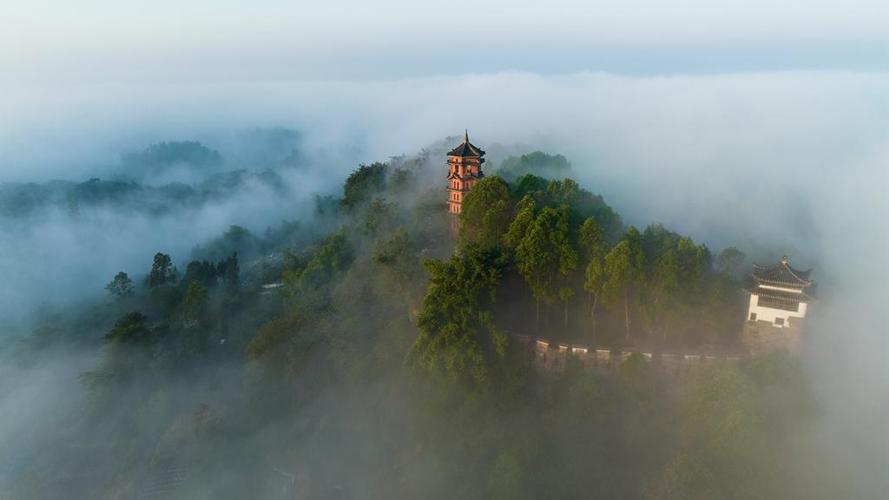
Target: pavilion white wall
<point x="769" y="314"/>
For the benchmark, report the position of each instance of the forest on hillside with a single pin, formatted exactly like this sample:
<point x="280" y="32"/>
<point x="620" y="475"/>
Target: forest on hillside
<point x="366" y="350"/>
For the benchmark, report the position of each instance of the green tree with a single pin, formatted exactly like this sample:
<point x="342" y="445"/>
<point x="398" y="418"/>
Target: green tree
<point x="525" y="213"/>
<point x="591" y="240"/>
<point x="127" y="349"/>
<point x="545" y="256"/>
<point x="486" y="213"/>
<point x="162" y="271"/>
<point x="396" y="255"/>
<point x="333" y="255"/>
<point x="194" y="302"/>
<point x="677" y="275"/>
<point x="363" y="183"/>
<point x="693" y="260"/>
<point x="308" y="280"/>
<point x="458" y="338"/>
<point x="203" y="272"/>
<point x="624" y="268"/>
<point x="663" y="287"/>
<point x="229" y="271"/>
<point x="121" y="286"/>
<point x="530" y="185"/>
<point x="580" y="202"/>
<point x="380" y="216"/>
<point x="129" y="329"/>
<point x="566" y="293"/>
<point x="593" y="249"/>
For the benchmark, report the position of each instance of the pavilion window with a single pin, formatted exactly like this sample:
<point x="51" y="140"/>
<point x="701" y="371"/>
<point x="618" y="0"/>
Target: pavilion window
<point x="776" y="303"/>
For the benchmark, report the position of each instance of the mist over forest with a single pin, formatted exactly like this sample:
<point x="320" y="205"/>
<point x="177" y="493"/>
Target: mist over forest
<point x="290" y="326"/>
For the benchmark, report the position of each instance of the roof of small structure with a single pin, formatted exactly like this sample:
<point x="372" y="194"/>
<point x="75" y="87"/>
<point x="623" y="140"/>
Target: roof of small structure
<point x="466" y="149"/>
<point x="783" y="274"/>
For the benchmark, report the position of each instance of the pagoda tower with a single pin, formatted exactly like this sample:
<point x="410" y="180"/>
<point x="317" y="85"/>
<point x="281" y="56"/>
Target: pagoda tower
<point x="779" y="300"/>
<point x="464" y="171"/>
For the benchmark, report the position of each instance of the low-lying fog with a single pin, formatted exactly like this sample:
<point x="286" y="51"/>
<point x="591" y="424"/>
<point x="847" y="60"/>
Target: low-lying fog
<point x="774" y="163"/>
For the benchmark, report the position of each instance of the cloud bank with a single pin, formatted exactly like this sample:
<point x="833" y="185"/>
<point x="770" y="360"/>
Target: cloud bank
<point x="783" y="162"/>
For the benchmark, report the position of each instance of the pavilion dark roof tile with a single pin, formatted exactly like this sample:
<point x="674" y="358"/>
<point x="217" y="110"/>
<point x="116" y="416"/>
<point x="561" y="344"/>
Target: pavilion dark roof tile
<point x="466" y="149"/>
<point x="783" y="274"/>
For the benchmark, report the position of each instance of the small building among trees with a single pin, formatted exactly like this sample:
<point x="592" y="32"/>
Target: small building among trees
<point x="779" y="300"/>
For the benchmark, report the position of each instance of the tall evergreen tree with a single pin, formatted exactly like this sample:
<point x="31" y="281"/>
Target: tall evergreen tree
<point x="624" y="268"/>
<point x="663" y="287"/>
<point x="162" y="271"/>
<point x="229" y="272"/>
<point x="545" y="256"/>
<point x="194" y="302"/>
<point x="593" y="249"/>
<point x="525" y="213"/>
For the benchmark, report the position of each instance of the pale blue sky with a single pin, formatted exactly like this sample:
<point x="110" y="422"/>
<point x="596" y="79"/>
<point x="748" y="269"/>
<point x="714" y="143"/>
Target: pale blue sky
<point x="105" y="40"/>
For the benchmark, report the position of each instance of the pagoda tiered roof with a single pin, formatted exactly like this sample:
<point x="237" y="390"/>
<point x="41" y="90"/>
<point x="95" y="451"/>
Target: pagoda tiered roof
<point x="467" y="149"/>
<point x="782" y="274"/>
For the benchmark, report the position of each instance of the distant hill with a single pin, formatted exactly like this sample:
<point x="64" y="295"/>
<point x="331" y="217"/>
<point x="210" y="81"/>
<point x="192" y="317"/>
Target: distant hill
<point x="24" y="199"/>
<point x="536" y="163"/>
<point x="169" y="154"/>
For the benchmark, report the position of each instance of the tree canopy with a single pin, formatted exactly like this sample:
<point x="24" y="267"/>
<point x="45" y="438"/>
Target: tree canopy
<point x="162" y="271"/>
<point x="486" y="213"/>
<point x="458" y="337"/>
<point x="121" y="286"/>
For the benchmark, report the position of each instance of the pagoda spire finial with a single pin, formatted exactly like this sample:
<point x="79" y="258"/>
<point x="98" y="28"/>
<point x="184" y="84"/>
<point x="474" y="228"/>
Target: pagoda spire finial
<point x="466" y="136"/>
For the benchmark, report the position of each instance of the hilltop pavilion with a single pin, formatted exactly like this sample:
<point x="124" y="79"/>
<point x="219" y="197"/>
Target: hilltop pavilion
<point x="780" y="295"/>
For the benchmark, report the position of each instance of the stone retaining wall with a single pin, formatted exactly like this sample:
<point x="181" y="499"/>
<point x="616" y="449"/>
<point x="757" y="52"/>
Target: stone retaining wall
<point x="555" y="355"/>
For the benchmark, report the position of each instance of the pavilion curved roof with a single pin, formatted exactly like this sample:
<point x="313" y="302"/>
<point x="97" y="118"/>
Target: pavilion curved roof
<point x="783" y="274"/>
